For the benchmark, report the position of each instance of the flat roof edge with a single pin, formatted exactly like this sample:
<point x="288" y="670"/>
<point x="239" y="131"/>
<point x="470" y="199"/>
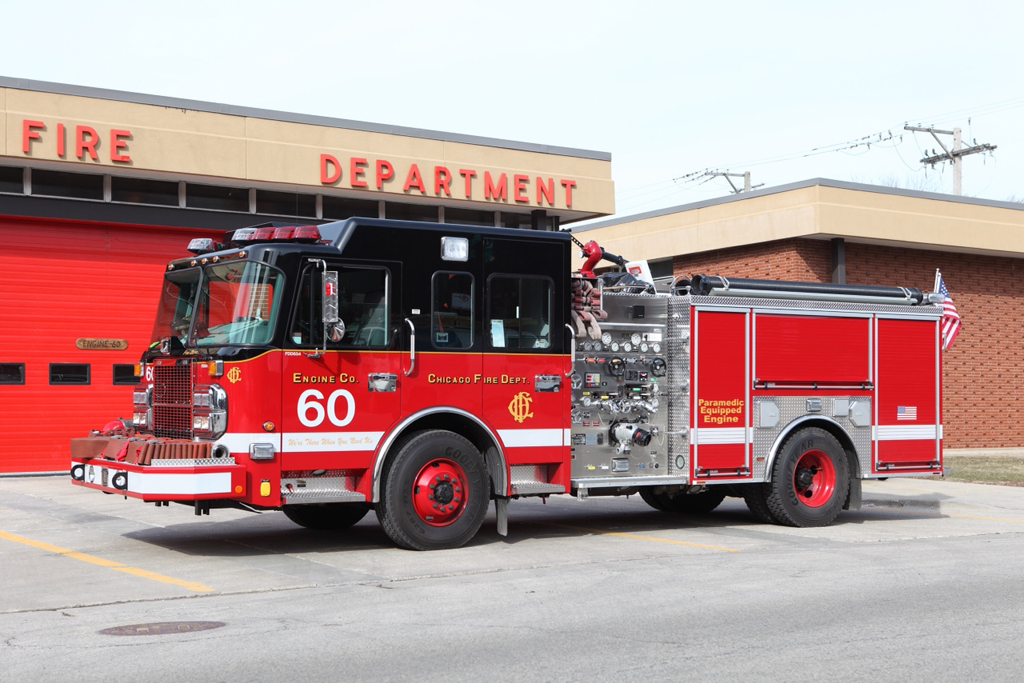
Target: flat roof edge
<point x="291" y="117"/>
<point x="799" y="185"/>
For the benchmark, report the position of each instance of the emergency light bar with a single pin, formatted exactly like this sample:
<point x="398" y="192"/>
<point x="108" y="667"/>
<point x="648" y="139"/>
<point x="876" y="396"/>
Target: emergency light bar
<point x="270" y="232"/>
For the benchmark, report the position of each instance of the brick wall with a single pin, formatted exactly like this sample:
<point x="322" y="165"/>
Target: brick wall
<point x="983" y="399"/>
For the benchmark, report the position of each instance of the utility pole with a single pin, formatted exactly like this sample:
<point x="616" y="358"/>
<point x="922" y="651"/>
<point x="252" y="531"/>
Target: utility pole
<point x="735" y="190"/>
<point x="956" y="155"/>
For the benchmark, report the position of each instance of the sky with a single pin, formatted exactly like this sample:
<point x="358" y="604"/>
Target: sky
<point x="785" y="90"/>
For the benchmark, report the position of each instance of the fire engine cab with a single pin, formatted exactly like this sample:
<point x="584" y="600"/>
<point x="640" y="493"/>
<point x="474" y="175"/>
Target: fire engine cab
<point x="422" y="370"/>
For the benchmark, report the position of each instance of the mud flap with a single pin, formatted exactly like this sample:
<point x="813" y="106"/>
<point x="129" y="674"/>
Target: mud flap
<point x="853" y="500"/>
<point x="501" y="510"/>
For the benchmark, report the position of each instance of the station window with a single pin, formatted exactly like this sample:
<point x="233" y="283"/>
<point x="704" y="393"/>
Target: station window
<point x="519" y="312"/>
<point x="451" y="319"/>
<point x="411" y="212"/>
<point x="338" y="207"/>
<point x="524" y="221"/>
<point x="515" y="220"/>
<point x="362" y="306"/>
<point x="468" y="217"/>
<point x="12" y="180"/>
<point x="12" y="373"/>
<point x="60" y="184"/>
<point x="125" y="374"/>
<point x="286" y="203"/>
<point x="70" y="373"/>
<point x="216" y="197"/>
<point x="144" y="191"/>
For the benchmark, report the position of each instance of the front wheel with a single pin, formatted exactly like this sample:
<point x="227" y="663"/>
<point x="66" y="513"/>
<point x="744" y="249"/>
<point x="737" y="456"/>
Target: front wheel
<point x="434" y="493"/>
<point x="810" y="480"/>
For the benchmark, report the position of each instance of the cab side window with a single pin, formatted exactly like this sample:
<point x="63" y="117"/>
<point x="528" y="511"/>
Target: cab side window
<point x="451" y="318"/>
<point x="362" y="305"/>
<point x="519" y="312"/>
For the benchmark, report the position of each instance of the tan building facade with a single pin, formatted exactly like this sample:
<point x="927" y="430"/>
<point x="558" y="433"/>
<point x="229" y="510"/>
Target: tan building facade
<point x="828" y="231"/>
<point x="142" y="136"/>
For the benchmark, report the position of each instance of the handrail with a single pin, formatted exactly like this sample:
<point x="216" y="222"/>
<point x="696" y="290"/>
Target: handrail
<point x="412" y="348"/>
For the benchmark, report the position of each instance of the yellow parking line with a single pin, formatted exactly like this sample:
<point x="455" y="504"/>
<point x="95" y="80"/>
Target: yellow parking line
<point x="640" y="538"/>
<point x="116" y="566"/>
<point x="937" y="513"/>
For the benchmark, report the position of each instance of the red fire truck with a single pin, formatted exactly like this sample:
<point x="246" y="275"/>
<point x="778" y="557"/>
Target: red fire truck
<point x="423" y="370"/>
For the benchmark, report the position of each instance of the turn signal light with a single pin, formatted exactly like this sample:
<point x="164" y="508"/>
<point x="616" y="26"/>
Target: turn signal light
<point x="215" y="368"/>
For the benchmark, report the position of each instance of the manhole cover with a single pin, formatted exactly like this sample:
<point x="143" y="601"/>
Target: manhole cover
<point x="161" y="628"/>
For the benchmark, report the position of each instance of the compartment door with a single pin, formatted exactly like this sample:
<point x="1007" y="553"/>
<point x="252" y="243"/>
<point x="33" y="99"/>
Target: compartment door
<point x="908" y="416"/>
<point x="721" y="378"/>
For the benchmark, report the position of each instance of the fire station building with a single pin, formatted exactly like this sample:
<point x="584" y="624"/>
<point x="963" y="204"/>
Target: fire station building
<point x="100" y="189"/>
<point x="827" y="231"/>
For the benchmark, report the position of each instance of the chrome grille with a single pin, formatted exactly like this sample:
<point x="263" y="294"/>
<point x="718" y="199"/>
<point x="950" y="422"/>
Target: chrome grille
<point x="172" y="401"/>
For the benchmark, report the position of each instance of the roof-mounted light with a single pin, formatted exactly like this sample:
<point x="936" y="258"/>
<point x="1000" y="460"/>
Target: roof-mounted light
<point x="455" y="248"/>
<point x="242" y="235"/>
<point x="202" y="245"/>
<point x="307" y="233"/>
<point x="271" y="232"/>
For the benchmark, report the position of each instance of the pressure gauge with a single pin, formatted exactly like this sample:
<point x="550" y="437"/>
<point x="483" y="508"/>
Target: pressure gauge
<point x="615" y="346"/>
<point x="587" y="346"/>
<point x="597" y="346"/>
<point x="656" y="347"/>
<point x="635" y="338"/>
<point x="627" y="347"/>
<point x="606" y="338"/>
<point x="643" y="347"/>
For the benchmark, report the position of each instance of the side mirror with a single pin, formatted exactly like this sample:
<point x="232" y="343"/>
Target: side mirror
<point x="334" y="327"/>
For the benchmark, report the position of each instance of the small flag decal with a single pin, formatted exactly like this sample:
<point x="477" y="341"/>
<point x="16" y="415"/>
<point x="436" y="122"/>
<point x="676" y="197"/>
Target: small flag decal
<point x="906" y="413"/>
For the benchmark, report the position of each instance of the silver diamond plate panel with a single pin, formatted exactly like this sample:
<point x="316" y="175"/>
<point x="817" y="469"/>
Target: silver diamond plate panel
<point x="794" y="407"/>
<point x="678" y="347"/>
<point x="318" y="487"/>
<point x="532" y="479"/>
<point x="193" y="462"/>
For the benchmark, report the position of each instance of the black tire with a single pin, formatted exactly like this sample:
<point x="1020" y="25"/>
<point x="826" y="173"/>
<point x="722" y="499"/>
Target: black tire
<point x="326" y="516"/>
<point x="757" y="502"/>
<point x="810" y="479"/>
<point x="683" y="502"/>
<point x="434" y="492"/>
<point x="658" y="501"/>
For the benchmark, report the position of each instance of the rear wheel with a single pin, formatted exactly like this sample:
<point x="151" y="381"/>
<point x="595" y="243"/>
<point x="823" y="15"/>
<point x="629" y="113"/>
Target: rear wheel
<point x="683" y="502"/>
<point x="434" y="493"/>
<point x="810" y="479"/>
<point x="326" y="516"/>
<point x="757" y="502"/>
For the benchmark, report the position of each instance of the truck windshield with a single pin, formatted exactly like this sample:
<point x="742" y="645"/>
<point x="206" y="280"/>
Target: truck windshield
<point x="220" y="305"/>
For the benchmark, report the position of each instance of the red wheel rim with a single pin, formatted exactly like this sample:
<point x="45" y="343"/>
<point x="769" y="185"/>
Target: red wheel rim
<point x="439" y="492"/>
<point x="814" y="479"/>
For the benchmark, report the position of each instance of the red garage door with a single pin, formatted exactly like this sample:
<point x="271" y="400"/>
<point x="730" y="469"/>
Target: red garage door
<point x="67" y="288"/>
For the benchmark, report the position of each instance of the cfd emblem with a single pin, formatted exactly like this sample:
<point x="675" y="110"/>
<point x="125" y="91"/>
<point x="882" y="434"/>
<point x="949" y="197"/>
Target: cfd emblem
<point x="235" y="375"/>
<point x="520" y="407"/>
